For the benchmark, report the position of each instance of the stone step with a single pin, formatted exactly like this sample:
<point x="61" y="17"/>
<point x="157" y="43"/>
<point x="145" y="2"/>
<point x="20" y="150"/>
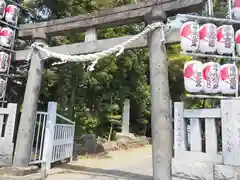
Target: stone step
<point x="36" y="176"/>
<point x="20" y="171"/>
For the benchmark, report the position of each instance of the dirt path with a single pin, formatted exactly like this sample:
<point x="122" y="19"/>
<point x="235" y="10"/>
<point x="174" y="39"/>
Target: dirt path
<point x="118" y="165"/>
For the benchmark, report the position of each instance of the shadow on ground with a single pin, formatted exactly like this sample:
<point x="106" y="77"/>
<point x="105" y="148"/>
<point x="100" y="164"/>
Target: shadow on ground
<point x="105" y="173"/>
<point x="103" y="155"/>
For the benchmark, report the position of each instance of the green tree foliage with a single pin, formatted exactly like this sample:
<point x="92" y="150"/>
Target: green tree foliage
<point x="94" y="100"/>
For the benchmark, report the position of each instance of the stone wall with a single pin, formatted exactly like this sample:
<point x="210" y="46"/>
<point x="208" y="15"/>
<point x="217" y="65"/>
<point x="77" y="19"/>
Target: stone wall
<point x="89" y="144"/>
<point x="199" y="158"/>
<point x="184" y="170"/>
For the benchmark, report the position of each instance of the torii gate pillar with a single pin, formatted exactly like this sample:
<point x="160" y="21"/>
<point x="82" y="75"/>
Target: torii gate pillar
<point x="162" y="134"/>
<point x="31" y="97"/>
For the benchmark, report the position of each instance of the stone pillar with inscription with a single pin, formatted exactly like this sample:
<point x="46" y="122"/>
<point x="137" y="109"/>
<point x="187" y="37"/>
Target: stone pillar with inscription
<point x="231" y="132"/>
<point x="125" y="117"/>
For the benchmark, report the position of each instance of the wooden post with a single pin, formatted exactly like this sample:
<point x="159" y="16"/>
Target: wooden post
<point x="28" y="116"/>
<point x="49" y="134"/>
<point x="162" y="135"/>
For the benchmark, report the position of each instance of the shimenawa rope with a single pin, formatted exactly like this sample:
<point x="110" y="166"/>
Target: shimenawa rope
<point x="118" y="49"/>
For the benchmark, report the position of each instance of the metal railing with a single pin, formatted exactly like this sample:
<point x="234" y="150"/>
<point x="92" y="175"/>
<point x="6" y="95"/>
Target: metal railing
<point x="62" y="142"/>
<point x="38" y="139"/>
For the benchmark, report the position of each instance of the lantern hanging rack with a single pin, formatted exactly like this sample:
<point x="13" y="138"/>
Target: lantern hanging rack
<point x="209" y="19"/>
<point x="210" y="96"/>
<point x="6" y="49"/>
<point x="9" y="25"/>
<point x="4" y="75"/>
<point x="14" y="3"/>
<point x="210" y="55"/>
<point x="23" y="8"/>
<point x="9" y="50"/>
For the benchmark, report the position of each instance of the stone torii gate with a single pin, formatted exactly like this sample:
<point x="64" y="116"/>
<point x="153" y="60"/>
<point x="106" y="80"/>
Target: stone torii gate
<point x="150" y="12"/>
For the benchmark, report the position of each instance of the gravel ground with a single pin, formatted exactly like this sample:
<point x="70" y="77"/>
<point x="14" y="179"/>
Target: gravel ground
<point x="119" y="165"/>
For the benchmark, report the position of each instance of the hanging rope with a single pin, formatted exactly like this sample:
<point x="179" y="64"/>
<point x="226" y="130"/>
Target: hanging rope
<point x="118" y="49"/>
<point x="33" y="46"/>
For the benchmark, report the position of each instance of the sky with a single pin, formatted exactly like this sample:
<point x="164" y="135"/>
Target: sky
<point x="176" y="22"/>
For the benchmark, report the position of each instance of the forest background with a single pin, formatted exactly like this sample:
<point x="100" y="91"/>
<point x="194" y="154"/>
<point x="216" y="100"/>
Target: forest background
<point x="94" y="100"/>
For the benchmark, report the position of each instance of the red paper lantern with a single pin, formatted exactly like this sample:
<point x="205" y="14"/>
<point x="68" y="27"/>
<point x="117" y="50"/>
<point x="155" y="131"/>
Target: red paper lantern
<point x="193" y="80"/>
<point x="4" y="61"/>
<point x="6" y="37"/>
<point x="12" y="13"/>
<point x="3" y="84"/>
<point x="236" y="9"/>
<point x="237" y="41"/>
<point x="207" y="37"/>
<point x="225" y="40"/>
<point x="2" y="9"/>
<point x="229" y="78"/>
<point x="211" y="77"/>
<point x="189" y="36"/>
